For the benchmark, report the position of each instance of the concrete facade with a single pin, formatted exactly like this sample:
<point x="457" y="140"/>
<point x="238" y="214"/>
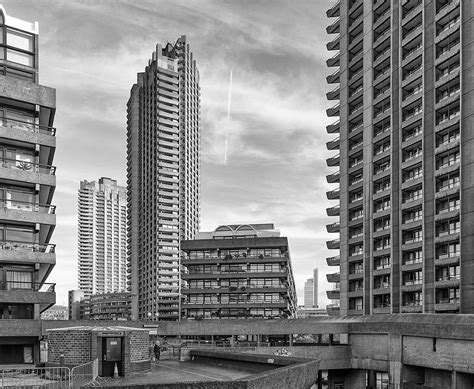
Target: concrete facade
<point x="163" y="180"/>
<point x="27" y="184"/>
<point x="102" y="237"/>
<point x="238" y="271"/>
<point x="405" y="156"/>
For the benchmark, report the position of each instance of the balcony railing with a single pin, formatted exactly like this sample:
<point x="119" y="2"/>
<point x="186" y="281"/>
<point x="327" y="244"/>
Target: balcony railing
<point x="27" y="285"/>
<point x="27" y="246"/>
<point x="27" y="126"/>
<point x="27" y="166"/>
<point x="27" y="206"/>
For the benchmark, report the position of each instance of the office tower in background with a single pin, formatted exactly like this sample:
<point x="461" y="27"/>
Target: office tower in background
<point x="405" y="161"/>
<point x="27" y="184"/>
<point x="163" y="179"/>
<point x="238" y="271"/>
<point x="309" y="293"/>
<point x="102" y="237"/>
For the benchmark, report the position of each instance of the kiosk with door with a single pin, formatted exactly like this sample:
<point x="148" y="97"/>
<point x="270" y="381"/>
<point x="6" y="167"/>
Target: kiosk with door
<point x="111" y="356"/>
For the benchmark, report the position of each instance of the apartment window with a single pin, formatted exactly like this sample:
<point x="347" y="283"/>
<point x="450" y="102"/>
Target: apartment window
<point x="355" y="178"/>
<point x="382" y="262"/>
<point x="381" y="380"/>
<point x="411" y="132"/>
<point x="382" y="204"/>
<point x="413" y="278"/>
<point x="451" y="135"/>
<point x="356" y="285"/>
<point x="356" y="303"/>
<point x="448" y="250"/>
<point x="356" y="160"/>
<point x="381" y="166"/>
<point x="382" y="301"/>
<point x="382" y="223"/>
<point x="448" y="227"/>
<point x="448" y="273"/>
<point x="412" y="215"/>
<point x="355" y="196"/>
<point x="381" y="147"/>
<point x="412" y="194"/>
<point x="448" y="181"/>
<point x="412" y="299"/>
<point x="356" y="268"/>
<point x="412" y="236"/>
<point x="356" y="249"/>
<point x="382" y="243"/>
<point x="412" y="174"/>
<point x="382" y="281"/>
<point x="447" y="296"/>
<point x="381" y="127"/>
<point x="411" y="257"/>
<point x="356" y="232"/>
<point x="448" y="159"/>
<point x="356" y="214"/>
<point x="449" y="205"/>
<point x="381" y="185"/>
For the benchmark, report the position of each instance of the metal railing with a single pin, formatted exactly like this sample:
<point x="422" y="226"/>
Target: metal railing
<point x="27" y="285"/>
<point x="84" y="374"/>
<point x="27" y="206"/>
<point x="27" y="246"/>
<point x="27" y="126"/>
<point x="36" y="377"/>
<point x="27" y="166"/>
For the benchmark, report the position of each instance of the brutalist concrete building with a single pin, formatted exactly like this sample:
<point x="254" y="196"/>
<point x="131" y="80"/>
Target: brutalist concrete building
<point x="27" y="183"/>
<point x="163" y="181"/>
<point x="404" y="153"/>
<point x="238" y="271"/>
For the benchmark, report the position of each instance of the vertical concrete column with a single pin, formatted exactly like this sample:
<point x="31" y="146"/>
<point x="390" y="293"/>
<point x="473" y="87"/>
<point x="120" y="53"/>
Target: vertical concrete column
<point x="429" y="167"/>
<point x="395" y="347"/>
<point x="290" y="340"/>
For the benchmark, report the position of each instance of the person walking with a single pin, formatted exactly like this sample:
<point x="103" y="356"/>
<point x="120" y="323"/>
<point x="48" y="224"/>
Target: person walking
<point x="157" y="351"/>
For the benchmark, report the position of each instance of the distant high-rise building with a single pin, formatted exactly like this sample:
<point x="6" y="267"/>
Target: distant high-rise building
<point x="238" y="271"/>
<point x="405" y="156"/>
<point x="163" y="157"/>
<point x="75" y="301"/>
<point x="311" y="291"/>
<point x="102" y="237"/>
<point x="27" y="185"/>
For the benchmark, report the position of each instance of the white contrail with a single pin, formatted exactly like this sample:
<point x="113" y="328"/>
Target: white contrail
<point x="228" y="118"/>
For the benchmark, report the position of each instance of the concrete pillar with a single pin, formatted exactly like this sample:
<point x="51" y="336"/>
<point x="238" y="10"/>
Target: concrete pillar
<point x="290" y="340"/>
<point x="259" y="340"/>
<point x="395" y="365"/>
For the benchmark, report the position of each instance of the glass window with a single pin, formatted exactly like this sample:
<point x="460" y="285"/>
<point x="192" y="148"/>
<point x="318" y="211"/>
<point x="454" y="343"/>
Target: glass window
<point x="19" y="57"/>
<point x="20" y="40"/>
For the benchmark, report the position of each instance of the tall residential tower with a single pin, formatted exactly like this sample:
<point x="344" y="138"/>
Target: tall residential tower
<point x="102" y="237"/>
<point x="27" y="184"/>
<point x="404" y="114"/>
<point x="163" y="181"/>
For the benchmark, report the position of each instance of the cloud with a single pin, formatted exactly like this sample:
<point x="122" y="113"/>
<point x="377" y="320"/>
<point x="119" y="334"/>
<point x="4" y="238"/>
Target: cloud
<point x="91" y="53"/>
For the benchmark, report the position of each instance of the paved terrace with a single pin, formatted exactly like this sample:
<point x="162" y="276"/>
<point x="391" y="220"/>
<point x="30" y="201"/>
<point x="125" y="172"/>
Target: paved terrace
<point x="420" y="349"/>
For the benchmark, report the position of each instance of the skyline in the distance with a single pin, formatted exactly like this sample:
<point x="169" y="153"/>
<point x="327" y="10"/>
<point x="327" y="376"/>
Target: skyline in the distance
<point x="275" y="167"/>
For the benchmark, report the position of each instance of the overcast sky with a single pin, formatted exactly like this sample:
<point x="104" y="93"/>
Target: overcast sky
<point x="91" y="51"/>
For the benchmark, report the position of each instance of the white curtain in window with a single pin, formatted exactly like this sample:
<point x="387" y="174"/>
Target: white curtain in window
<point x="19" y="279"/>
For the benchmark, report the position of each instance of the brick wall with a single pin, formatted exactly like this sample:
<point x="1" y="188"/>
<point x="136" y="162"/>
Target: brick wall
<point x="76" y="346"/>
<point x="139" y="346"/>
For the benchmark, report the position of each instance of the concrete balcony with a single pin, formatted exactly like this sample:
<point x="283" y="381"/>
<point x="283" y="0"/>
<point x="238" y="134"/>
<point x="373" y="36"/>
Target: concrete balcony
<point x="333" y="294"/>
<point x="27" y="132"/>
<point x="333" y="144"/>
<point x="28" y="292"/>
<point x="447" y="282"/>
<point x="333" y="178"/>
<point x="30" y="172"/>
<point x="334" y="11"/>
<point x="19" y="211"/>
<point x="333" y="228"/>
<point x="334" y="28"/>
<point x="334" y="77"/>
<point x="333" y="211"/>
<point x="447" y="306"/>
<point x="414" y="308"/>
<point x="333" y="161"/>
<point x="333" y="128"/>
<point x="333" y="244"/>
<point x="333" y="111"/>
<point x="334" y="94"/>
<point x="334" y="61"/>
<point x="334" y="277"/>
<point x="333" y="261"/>
<point x="333" y="194"/>
<point x="333" y="309"/>
<point x="334" y="44"/>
